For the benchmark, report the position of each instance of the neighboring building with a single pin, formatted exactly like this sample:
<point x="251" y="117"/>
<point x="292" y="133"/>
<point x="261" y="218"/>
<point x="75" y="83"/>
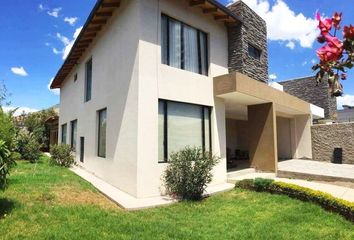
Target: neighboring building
<point x="52" y="129"/>
<point x="149" y="77"/>
<point x="346" y="114"/>
<point x="306" y="89"/>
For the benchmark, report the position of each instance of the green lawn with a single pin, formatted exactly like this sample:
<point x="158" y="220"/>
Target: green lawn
<point x="46" y="202"/>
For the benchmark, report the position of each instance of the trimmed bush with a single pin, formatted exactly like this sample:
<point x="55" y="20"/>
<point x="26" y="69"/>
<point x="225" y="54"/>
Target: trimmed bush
<point x="28" y="146"/>
<point x="6" y="163"/>
<point x="189" y="172"/>
<point x="327" y="201"/>
<point x="61" y="155"/>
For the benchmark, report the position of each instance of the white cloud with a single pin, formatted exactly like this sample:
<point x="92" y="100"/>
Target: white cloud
<point x="304" y="63"/>
<point x="283" y="24"/>
<point x="273" y="76"/>
<point x="54" y="91"/>
<point x="347" y="99"/>
<point x="19" y="71"/>
<point x="56" y="51"/>
<point x="290" y="45"/>
<point x="47" y="44"/>
<point x="68" y="44"/>
<point x="71" y="20"/>
<point x="313" y="61"/>
<point x="20" y="110"/>
<point x="54" y="12"/>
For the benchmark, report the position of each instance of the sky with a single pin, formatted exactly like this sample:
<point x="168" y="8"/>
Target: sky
<point x="36" y="36"/>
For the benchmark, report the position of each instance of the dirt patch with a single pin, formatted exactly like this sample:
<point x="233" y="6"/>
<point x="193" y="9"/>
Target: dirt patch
<point x="67" y="195"/>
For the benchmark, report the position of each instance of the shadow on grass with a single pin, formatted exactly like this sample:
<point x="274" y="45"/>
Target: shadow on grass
<point x="6" y="206"/>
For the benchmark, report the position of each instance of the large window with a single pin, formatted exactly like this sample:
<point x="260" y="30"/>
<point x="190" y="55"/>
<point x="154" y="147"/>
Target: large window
<point x="183" y="46"/>
<point x="73" y="134"/>
<point x="182" y="125"/>
<point x="63" y="133"/>
<point x="102" y="125"/>
<point x="88" y="80"/>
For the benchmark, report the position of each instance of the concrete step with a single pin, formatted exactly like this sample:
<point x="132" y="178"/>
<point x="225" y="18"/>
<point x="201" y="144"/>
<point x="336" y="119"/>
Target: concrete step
<point x="240" y="172"/>
<point x="313" y="177"/>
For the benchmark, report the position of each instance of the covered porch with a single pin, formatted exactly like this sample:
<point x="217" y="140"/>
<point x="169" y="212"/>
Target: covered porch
<point x="263" y="124"/>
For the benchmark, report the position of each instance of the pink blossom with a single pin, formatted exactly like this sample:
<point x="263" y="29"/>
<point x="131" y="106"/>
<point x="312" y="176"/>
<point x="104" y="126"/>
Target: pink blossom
<point x="325" y="25"/>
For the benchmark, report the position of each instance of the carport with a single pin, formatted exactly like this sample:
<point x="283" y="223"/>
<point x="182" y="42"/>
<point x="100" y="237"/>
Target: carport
<point x="267" y="123"/>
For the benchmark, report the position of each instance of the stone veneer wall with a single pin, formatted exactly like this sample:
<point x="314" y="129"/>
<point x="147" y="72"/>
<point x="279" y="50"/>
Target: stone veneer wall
<point x="252" y="31"/>
<point x="306" y="89"/>
<point x="326" y="137"/>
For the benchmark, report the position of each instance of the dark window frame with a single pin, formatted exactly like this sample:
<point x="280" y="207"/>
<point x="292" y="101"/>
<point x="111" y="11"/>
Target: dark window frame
<point x="199" y="33"/>
<point x="165" y="134"/>
<point x="72" y="134"/>
<point x="64" y="126"/>
<point x="254" y="52"/>
<point x="87" y="83"/>
<point x="75" y="77"/>
<point x="99" y="133"/>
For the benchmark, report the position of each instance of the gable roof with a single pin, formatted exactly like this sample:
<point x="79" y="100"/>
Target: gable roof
<point x="103" y="11"/>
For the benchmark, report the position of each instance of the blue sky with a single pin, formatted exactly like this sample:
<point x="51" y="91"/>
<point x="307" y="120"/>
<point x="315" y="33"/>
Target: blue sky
<point x="35" y="37"/>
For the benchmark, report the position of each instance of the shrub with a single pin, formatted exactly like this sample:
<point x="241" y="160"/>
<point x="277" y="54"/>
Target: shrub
<point x="327" y="201"/>
<point x="61" y="155"/>
<point x="5" y="163"/>
<point x="28" y="146"/>
<point x="262" y="184"/>
<point x="189" y="172"/>
<point x="7" y="129"/>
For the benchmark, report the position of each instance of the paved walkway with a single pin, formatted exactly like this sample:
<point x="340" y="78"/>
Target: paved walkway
<point x="129" y="202"/>
<point x="308" y="169"/>
<point x="336" y="191"/>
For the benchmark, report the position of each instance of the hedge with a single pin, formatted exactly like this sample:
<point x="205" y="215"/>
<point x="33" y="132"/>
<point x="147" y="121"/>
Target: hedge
<point x="325" y="200"/>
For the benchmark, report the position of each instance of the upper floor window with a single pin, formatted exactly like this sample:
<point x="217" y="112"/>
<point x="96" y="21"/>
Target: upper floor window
<point x="88" y="80"/>
<point x="183" y="46"/>
<point x="254" y="52"/>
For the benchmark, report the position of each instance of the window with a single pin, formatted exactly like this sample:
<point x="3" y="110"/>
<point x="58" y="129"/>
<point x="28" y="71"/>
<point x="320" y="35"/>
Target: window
<point x="88" y="80"/>
<point x="75" y="77"/>
<point x="254" y="52"/>
<point x="73" y="134"/>
<point x="183" y="46"/>
<point x="63" y="133"/>
<point x="182" y="125"/>
<point x="102" y="125"/>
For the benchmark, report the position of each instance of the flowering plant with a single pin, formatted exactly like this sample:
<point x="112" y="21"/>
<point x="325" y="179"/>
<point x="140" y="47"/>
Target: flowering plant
<point x="336" y="55"/>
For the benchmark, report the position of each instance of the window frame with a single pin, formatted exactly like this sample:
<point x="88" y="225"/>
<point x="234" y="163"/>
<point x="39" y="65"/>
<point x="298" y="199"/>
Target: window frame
<point x="199" y="33"/>
<point x="99" y="133"/>
<point x="72" y="135"/>
<point x="64" y="126"/>
<point x="255" y="53"/>
<point x="165" y="130"/>
<point x="87" y="96"/>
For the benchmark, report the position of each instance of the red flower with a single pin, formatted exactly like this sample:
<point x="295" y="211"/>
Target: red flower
<point x="349" y="32"/>
<point x="324" y="25"/>
<point x="334" y="42"/>
<point x="337" y="18"/>
<point x="329" y="54"/>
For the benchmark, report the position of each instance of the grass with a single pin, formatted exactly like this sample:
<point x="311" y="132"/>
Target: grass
<point x="48" y="202"/>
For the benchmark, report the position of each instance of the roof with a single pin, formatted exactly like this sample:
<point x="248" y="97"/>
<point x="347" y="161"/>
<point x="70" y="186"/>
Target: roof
<point x="103" y="11"/>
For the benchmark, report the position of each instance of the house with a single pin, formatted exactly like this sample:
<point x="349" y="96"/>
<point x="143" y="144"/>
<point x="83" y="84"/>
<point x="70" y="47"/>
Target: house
<point x="307" y="89"/>
<point x="346" y="114"/>
<point x="149" y="77"/>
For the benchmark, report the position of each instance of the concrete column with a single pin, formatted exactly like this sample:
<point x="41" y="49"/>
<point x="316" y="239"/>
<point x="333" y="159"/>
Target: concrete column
<point x="302" y="130"/>
<point x="263" y="137"/>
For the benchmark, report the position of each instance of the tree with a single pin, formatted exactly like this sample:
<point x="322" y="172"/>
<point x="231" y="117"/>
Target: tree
<point x="337" y="55"/>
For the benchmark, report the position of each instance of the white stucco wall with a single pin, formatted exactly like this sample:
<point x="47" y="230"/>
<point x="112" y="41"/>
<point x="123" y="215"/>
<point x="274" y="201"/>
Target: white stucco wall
<point x="128" y="80"/>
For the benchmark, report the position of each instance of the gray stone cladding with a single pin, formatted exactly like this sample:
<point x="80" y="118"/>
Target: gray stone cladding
<point x="252" y="31"/>
<point x="306" y="89"/>
<point x="326" y="137"/>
